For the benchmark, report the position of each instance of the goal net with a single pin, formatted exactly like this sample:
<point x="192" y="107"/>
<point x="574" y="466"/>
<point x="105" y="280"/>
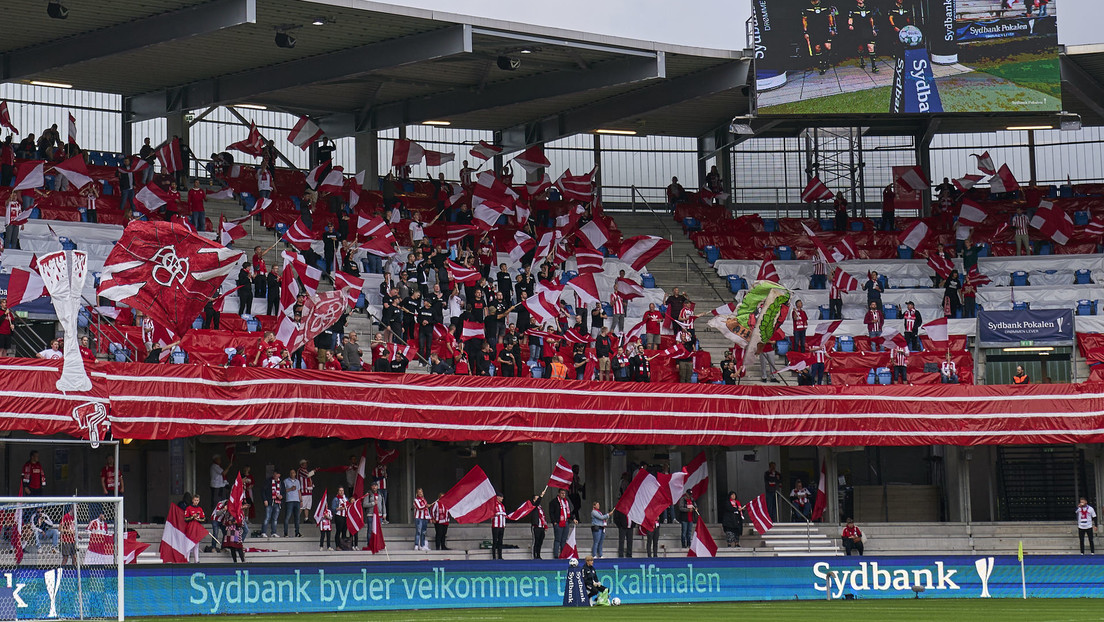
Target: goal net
<point x="61" y="558"/>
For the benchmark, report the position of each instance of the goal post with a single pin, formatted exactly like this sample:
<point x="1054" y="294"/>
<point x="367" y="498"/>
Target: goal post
<point x="61" y="558"/>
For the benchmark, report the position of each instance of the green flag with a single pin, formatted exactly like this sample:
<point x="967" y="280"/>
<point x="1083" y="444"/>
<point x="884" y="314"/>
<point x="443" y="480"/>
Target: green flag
<point x="1019" y="555"/>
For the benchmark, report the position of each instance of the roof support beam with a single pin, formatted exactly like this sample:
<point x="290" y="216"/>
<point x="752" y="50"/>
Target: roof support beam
<point x="540" y="86"/>
<point x="1088" y="90"/>
<point x="128" y="37"/>
<point x="587" y="118"/>
<point x="356" y="61"/>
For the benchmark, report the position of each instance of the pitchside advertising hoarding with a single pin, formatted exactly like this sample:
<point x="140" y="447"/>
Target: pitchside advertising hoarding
<point x="905" y="57"/>
<point x="1038" y="326"/>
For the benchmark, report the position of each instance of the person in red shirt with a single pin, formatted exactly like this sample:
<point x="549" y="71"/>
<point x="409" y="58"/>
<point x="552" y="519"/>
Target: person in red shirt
<point x="172" y="206"/>
<point x="86" y="352"/>
<point x="107" y="479"/>
<point x="7" y="162"/>
<point x="259" y="261"/>
<point x="267" y="347"/>
<point x="874" y="319"/>
<point x="34" y="477"/>
<point x="5" y="327"/>
<point x="652" y="323"/>
<point x="68" y="548"/>
<point x="196" y="206"/>
<point x="194" y="513"/>
<point x="852" y="538"/>
<point x="800" y="324"/>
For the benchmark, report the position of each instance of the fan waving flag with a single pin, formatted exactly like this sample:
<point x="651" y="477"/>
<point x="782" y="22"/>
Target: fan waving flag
<point x="639" y="250"/>
<point x="472" y="330"/>
<point x="166" y="272"/>
<point x="570" y="549"/>
<point x="759" y="515"/>
<point x="252" y="145"/>
<point x="485" y="150"/>
<point x="75" y="171"/>
<point x="472" y="499"/>
<point x="1003" y="181"/>
<point x="406" y="153"/>
<point x="767" y="272"/>
<point x="237" y="499"/>
<point x="562" y="475"/>
<point x="913" y="179"/>
<point x="697" y="475"/>
<point x="1053" y="222"/>
<point x="356" y="508"/>
<point x="299" y="235"/>
<point x="985" y="163"/>
<point x="815" y="190"/>
<point x="170" y="157"/>
<point x="702" y="545"/>
<point x="72" y="129"/>
<point x="180" y="536"/>
<point x="305" y="133"/>
<point x="29" y="175"/>
<point x="822" y="492"/>
<point x="318" y="173"/>
<point x="532" y="159"/>
<point x="5" y="117"/>
<point x="916" y="236"/>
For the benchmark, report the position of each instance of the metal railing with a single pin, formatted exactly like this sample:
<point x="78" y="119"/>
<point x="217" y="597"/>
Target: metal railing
<point x="692" y="261"/>
<point x="797" y="512"/>
<point x="659" y="219"/>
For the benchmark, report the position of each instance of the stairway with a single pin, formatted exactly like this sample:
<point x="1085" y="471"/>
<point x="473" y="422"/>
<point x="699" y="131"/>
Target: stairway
<point x="797" y="539"/>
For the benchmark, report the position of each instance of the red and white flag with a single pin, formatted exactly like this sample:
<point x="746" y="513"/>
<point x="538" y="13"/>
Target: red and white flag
<point x="536" y="188"/>
<point x="822" y="492"/>
<point x="355" y="516"/>
<point x="1096" y="227"/>
<point x="472" y="499"/>
<point x="485" y="150"/>
<point x="489" y="188"/>
<point x="589" y="261"/>
<point x="570" y="549"/>
<point x="542" y="308"/>
<point x="913" y="179"/>
<point x="310" y="276"/>
<point x="523" y="510"/>
<point x="916" y="236"/>
<point x="767" y="272"/>
<point x="562" y="475"/>
<point x="676" y="351"/>
<point x="759" y="515"/>
<point x="230" y="231"/>
<point x="304" y="133"/>
<point x="572" y="335"/>
<point x="966" y="182"/>
<point x="375" y="532"/>
<point x="132" y="548"/>
<point x="29" y="175"/>
<point x="1053" y="222"/>
<point x="576" y="187"/>
<point x="351" y="285"/>
<point x="5" y="117"/>
<point x="374" y="226"/>
<point x="595" y="233"/>
<point x="407" y="351"/>
<point x="977" y="279"/>
<point x="320" y="511"/>
<point x="25" y="286"/>
<point x="532" y="159"/>
<point x="628" y="289"/>
<point x="937" y="331"/>
<point x="316" y="174"/>
<point x="815" y="190"/>
<point x="697" y="475"/>
<point x="462" y="274"/>
<point x="545" y="244"/>
<point x="252" y="145"/>
<point x="985" y="163"/>
<point x="333" y="182"/>
<point x="844" y="250"/>
<point x="299" y="235"/>
<point x="16" y="217"/>
<point x="971" y="214"/>
<point x="72" y="129"/>
<point x="843" y="281"/>
<point x="438" y="158"/>
<point x="942" y="265"/>
<point x="586" y="288"/>
<point x="639" y="250"/>
<point x="644" y="499"/>
<point x="75" y="170"/>
<point x="702" y="545"/>
<point x="821" y="249"/>
<point x="724" y="310"/>
<point x="798" y="366"/>
<point x="519" y="245"/>
<point x="1003" y="181"/>
<point x="170" y="157"/>
<point x="237" y="499"/>
<point x="180" y="536"/>
<point x="472" y="330"/>
<point x="485" y="214"/>
<point x="406" y="153"/>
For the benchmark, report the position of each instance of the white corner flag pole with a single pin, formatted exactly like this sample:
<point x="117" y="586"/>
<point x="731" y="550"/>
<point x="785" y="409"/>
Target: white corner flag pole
<point x="1023" y="576"/>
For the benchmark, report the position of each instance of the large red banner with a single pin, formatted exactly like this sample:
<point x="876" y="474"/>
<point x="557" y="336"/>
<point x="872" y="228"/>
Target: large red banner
<point x="173" y="401"/>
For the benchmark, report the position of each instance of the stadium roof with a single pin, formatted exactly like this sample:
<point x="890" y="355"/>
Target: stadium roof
<point x="373" y="65"/>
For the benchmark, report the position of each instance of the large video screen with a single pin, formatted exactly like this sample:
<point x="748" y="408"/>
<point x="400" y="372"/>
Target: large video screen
<point x="823" y="57"/>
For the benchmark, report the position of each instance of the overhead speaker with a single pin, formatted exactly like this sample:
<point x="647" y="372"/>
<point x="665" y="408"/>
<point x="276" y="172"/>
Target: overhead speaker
<point x="56" y="10"/>
<point x="508" y="63"/>
<point x="284" y="40"/>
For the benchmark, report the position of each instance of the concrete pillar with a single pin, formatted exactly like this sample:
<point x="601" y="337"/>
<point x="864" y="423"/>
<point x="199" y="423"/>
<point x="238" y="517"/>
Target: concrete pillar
<point x="598" y="165"/>
<point x="366" y="148"/>
<point x="1031" y="157"/>
<point x="831" y="487"/>
<point x="725" y="166"/>
<point x="126" y="134"/>
<point x="957" y="464"/>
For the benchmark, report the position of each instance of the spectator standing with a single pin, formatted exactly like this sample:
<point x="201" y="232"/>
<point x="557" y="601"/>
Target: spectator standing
<point x="1021" y="236"/>
<point x="835" y="302"/>
<point x="840" y="205"/>
<point x="652" y="542"/>
<point x="440" y="515"/>
<point x="538" y="524"/>
<point x="652" y="327"/>
<point x="820" y="272"/>
<point x="560" y="512"/>
<point x="888" y="199"/>
<point x="1086" y="524"/>
<point x="379" y="475"/>
<point x="617" y="305"/>
<point x="732" y="519"/>
<point x="852" y="538"/>
<point x="952" y="301"/>
<point x="900" y="355"/>
<point x="108" y="483"/>
<point x="325" y="530"/>
<point x="6" y="318"/>
<point x="421" y="520"/>
<point x="772" y="480"/>
<point x="197" y="206"/>
<point x="800" y="325"/>
<point x="273" y="288"/>
<point x="912" y="322"/>
<point x="687" y="517"/>
<point x="820" y="362"/>
<point x="147" y="153"/>
<point x="1021" y="376"/>
<point x="498" y="527"/>
<point x="874" y="320"/>
<point x="192" y="514"/>
<point x="873" y="289"/>
<point x="306" y="490"/>
<point x="598" y="522"/>
<point x="34" y="476"/>
<point x="245" y="291"/>
<point x="340" y="508"/>
<point x="274" y="498"/>
<point x="675" y="193"/>
<point x="624" y="534"/>
<point x="218" y="479"/>
<point x="352" y="353"/>
<point x="264" y="182"/>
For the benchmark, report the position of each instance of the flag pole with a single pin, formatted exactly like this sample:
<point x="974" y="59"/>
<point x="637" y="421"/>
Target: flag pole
<point x="1023" y="575"/>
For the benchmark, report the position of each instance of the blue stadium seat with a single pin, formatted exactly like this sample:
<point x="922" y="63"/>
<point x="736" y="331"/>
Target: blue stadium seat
<point x="824" y="312"/>
<point x="1080" y="218"/>
<point x="1019" y="278"/>
<point x="1021" y="306"/>
<point x="84" y="318"/>
<point x="1046" y="248"/>
<point x="890" y="311"/>
<point x="872" y="376"/>
<point x="770" y="225"/>
<point x="694" y="377"/>
<point x="691" y="224"/>
<point x="885" y="376"/>
<point x="782" y="346"/>
<point x="712" y="254"/>
<point x="983" y="250"/>
<point x="607" y="308"/>
<point x="361" y="303"/>
<point x="1065" y="192"/>
<point x="904" y="252"/>
<point x="736" y="283"/>
<point x="281" y="229"/>
<point x="856" y="225"/>
<point x="827" y="224"/>
<point x="107" y="188"/>
<point x="197" y="323"/>
<point x="249" y="200"/>
<point x="1086" y="307"/>
<point x="295" y="201"/>
<point x="179" y="357"/>
<point x="883" y="280"/>
<point x="119" y="353"/>
<point x="845" y="343"/>
<point x="1082" y="276"/>
<point x="253" y="325"/>
<point x="783" y="253"/>
<point x="647" y="281"/>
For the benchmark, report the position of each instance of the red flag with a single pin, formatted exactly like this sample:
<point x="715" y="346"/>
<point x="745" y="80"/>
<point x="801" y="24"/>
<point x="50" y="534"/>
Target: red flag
<point x="29" y="175"/>
<point x="595" y="233"/>
<point x="485" y="150"/>
<point x="519" y="245"/>
<point x="542" y="309"/>
<point x="562" y="475"/>
<point x="5" y="117"/>
<point x="237" y="499"/>
<point x="576" y="187"/>
<point x="385" y="456"/>
<point x="639" y="250"/>
<point x="586" y="287"/>
<point x="966" y="182"/>
<point x="472" y="499"/>
<point x="1003" y="181"/>
<point x="843" y="281"/>
<point x="916" y="236"/>
<point x="316" y="174"/>
<point x="170" y="157"/>
<point x="572" y="335"/>
<point x="485" y="214"/>
<point x="702" y="545"/>
<point x="489" y="188"/>
<point x="937" y="331"/>
<point x="252" y="145"/>
<point x="767" y="272"/>
<point x="72" y="129"/>
<point x="822" y="492"/>
<point x="132" y="548"/>
<point x="351" y="285"/>
<point x="180" y="536"/>
<point x="976" y="278"/>
<point x="320" y="511"/>
<point x="1096" y="227"/>
<point x="697" y="475"/>
<point x="942" y="265"/>
<point x="462" y="274"/>
<point x="355" y="517"/>
<point x="523" y="510"/>
<point x="645" y="498"/>
<point x="1053" y="222"/>
<point x="75" y="171"/>
<point x="759" y="515"/>
<point x="536" y="188"/>
<point x="844" y="250"/>
<point x="985" y="163"/>
<point x="532" y="159"/>
<point x="588" y="261"/>
<point x="472" y="330"/>
<point x="299" y="235"/>
<point x="815" y="190"/>
<point x="913" y="179"/>
<point x="438" y="158"/>
<point x="149" y="198"/>
<point x="24" y="286"/>
<point x="375" y="532"/>
<point x="230" y="231"/>
<point x="727" y="309"/>
<point x="305" y="133"/>
<point x="406" y="153"/>
<point x="570" y="549"/>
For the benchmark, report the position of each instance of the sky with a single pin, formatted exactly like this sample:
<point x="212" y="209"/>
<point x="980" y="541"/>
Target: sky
<point x="704" y="23"/>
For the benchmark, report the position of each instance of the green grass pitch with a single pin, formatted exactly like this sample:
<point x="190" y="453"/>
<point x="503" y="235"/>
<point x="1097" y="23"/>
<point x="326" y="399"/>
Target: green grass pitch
<point x="903" y="610"/>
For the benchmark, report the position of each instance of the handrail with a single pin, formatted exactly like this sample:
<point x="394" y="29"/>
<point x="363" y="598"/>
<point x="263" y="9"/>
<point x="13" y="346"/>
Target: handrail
<point x="27" y="343"/>
<point x="690" y="261"/>
<point x="659" y="219"/>
<point x="808" y="522"/>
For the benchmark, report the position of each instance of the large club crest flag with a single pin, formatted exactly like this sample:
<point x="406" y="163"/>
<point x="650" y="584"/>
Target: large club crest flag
<point x="167" y="272"/>
<point x="64" y="273"/>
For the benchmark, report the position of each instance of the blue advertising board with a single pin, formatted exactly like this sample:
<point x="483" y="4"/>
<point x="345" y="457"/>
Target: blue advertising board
<point x="1004" y="28"/>
<point x="209" y="589"/>
<point x="1042" y="325"/>
<point x="914" y="88"/>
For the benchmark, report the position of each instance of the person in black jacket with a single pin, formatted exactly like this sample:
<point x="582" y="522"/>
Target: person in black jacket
<point x="539" y="525"/>
<point x="273" y="288"/>
<point x="594" y="587"/>
<point x="624" y="534"/>
<point x="732" y="519"/>
<point x="245" y="294"/>
<point x="559" y="514"/>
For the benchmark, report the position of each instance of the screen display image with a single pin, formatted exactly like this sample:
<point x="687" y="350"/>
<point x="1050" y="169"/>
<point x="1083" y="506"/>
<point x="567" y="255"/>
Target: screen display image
<point x="825" y="57"/>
